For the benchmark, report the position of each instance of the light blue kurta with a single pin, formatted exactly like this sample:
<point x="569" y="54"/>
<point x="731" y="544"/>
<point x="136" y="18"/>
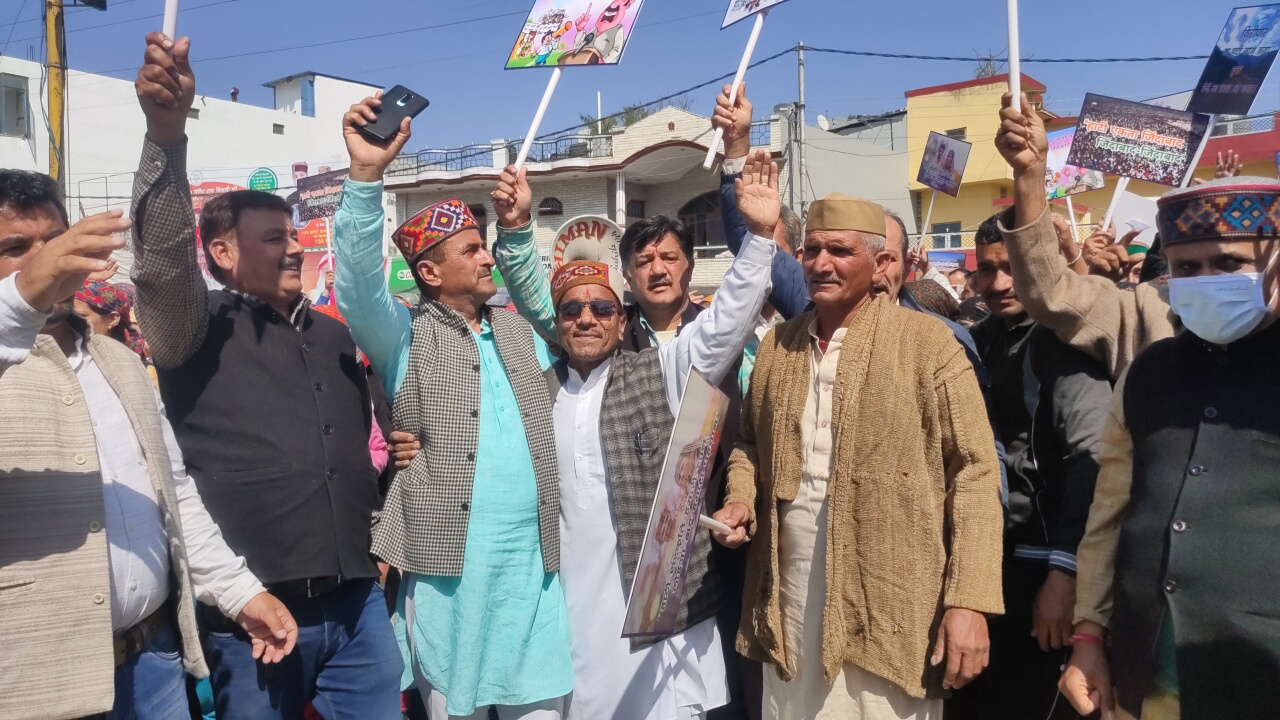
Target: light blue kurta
<point x="499" y="634"/>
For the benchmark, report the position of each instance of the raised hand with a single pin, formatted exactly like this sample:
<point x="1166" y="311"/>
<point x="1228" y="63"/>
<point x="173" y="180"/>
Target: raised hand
<point x="166" y="87"/>
<point x="1021" y="139"/>
<point x="512" y="198"/>
<point x="584" y="19"/>
<point x="60" y="267"/>
<point x="270" y="626"/>
<point x="735" y="119"/>
<point x="757" y="193"/>
<point x="1228" y="165"/>
<point x="370" y="156"/>
<point x="106" y="274"/>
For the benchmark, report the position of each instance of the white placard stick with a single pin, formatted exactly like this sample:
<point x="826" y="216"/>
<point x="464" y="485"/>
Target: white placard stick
<point x="171" y="19"/>
<point x="1015" y="60"/>
<point x="714" y="525"/>
<point x="537" y="118"/>
<point x="927" y="217"/>
<point x="1071" y="214"/>
<point x="1195" y="160"/>
<point x="1115" y="200"/>
<point x="737" y="83"/>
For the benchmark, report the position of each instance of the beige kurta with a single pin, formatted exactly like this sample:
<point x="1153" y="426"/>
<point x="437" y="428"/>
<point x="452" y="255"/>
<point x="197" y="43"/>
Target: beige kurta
<point x="802" y="561"/>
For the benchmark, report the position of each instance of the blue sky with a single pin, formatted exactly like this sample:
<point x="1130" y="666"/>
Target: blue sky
<point x="676" y="44"/>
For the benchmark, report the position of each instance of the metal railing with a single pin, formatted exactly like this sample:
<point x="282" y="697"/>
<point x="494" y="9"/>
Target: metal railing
<point x="1245" y="126"/>
<point x="569" y="147"/>
<point x="964" y="240"/>
<point x="472" y="156"/>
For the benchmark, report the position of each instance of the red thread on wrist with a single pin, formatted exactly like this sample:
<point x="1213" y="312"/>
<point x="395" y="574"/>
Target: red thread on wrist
<point x="1086" y="637"/>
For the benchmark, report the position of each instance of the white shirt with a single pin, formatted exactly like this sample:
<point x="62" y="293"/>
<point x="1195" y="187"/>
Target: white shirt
<point x="138" y="548"/>
<point x="683" y="675"/>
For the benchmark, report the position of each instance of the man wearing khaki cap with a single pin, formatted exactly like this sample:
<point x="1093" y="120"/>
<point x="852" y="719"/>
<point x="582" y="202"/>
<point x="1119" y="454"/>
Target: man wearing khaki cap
<point x="872" y="473"/>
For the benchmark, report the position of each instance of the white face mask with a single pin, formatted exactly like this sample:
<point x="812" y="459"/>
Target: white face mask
<point x="1219" y="308"/>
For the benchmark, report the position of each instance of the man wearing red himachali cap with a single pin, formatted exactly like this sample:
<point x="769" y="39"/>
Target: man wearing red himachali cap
<point x="606" y="398"/>
<point x="472" y="522"/>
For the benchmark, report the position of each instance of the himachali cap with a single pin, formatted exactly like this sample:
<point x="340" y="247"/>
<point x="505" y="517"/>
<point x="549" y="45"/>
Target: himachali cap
<point x="584" y="272"/>
<point x="433" y="225"/>
<point x="842" y="212"/>
<point x="1236" y="208"/>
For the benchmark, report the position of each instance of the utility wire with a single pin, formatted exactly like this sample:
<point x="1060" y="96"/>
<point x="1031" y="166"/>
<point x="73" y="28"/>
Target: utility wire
<point x="137" y="19"/>
<point x="903" y="56"/>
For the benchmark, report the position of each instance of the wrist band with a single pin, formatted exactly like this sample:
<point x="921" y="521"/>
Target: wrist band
<point x="1079" y="254"/>
<point x="1086" y="637"/>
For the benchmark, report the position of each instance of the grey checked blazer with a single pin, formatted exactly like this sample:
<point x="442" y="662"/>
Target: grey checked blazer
<point x="423" y="526"/>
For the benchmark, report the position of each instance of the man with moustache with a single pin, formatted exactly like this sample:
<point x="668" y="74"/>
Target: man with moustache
<point x="272" y="410"/>
<point x="614" y="415"/>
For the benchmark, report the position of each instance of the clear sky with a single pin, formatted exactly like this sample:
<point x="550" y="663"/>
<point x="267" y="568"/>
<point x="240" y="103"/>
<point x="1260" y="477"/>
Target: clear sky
<point x="676" y="44"/>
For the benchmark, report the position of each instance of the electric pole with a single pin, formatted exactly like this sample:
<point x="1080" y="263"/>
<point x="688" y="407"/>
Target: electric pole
<point x="56" y="63"/>
<point x="800" y="111"/>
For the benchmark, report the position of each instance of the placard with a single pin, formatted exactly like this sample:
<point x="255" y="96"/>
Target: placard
<point x="1134" y="212"/>
<point x="319" y="195"/>
<point x="1062" y="179"/>
<point x="590" y="237"/>
<point x="942" y="167"/>
<point x="574" y="32"/>
<point x="658" y="585"/>
<point x="1137" y="141"/>
<point x="743" y="9"/>
<point x="1239" y="63"/>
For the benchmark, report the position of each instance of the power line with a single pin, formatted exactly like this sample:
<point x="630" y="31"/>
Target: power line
<point x="137" y="19"/>
<point x="903" y="56"/>
<point x="14" y="25"/>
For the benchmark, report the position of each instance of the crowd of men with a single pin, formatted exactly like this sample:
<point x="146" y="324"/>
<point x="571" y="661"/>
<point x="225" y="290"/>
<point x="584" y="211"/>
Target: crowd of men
<point x="1037" y="490"/>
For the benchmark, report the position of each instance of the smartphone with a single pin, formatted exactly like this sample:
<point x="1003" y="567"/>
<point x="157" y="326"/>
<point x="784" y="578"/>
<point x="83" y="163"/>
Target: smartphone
<point x="398" y="103"/>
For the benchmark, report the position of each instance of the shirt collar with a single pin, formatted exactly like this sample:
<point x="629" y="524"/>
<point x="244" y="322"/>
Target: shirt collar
<point x="837" y="338"/>
<point x="297" y="313"/>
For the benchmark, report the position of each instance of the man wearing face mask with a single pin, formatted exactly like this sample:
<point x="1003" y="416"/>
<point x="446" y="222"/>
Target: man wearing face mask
<point x="1177" y="568"/>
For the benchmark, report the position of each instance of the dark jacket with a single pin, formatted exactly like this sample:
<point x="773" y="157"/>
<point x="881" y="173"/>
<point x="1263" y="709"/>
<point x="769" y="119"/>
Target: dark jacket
<point x="1049" y="403"/>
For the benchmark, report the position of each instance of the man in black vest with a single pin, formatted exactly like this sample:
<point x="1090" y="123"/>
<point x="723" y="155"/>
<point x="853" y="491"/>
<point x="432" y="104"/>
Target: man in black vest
<point x="1177" y="603"/>
<point x="273" y="414"/>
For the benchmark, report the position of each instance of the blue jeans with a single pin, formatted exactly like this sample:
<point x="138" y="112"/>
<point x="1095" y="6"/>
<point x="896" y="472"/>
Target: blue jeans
<point x="346" y="662"/>
<point x="152" y="685"/>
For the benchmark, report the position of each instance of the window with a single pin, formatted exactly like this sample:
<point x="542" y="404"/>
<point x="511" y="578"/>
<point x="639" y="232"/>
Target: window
<point x="635" y="209"/>
<point x="702" y="215"/>
<point x="13" y="105"/>
<point x="309" y="97"/>
<point x="957" y="134"/>
<point x="946" y="236"/>
<point x="482" y="219"/>
<point x="277" y="128"/>
<point x="193" y="114"/>
<point x="550" y="206"/>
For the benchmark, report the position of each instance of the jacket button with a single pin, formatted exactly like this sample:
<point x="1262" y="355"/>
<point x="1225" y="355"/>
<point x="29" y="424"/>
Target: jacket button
<point x="1170" y="586"/>
<point x="475" y="368"/>
<point x="68" y="400"/>
<point x="466" y="507"/>
<point x="319" y="387"/>
<point x="95" y="526"/>
<point x="1211" y="412"/>
<point x="306" y="348"/>
<point x="471" y="456"/>
<point x="331" y="474"/>
<point x="98" y="599"/>
<point x="328" y="429"/>
<point x="475" y="413"/>
<point x="79" y="459"/>
<point x="1179" y="526"/>
<point x="1196" y="470"/>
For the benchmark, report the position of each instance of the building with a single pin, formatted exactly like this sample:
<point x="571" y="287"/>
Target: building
<point x="652" y="167"/>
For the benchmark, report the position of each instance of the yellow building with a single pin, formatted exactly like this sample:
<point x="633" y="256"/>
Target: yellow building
<point x="970" y="111"/>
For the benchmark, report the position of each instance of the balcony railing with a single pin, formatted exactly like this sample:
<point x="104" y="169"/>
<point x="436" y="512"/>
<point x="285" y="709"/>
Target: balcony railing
<point x="1245" y="126"/>
<point x="472" y="156"/>
<point x="570" y="147"/>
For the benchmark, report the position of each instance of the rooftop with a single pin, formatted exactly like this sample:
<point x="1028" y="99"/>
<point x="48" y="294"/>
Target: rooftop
<point x="295" y="76"/>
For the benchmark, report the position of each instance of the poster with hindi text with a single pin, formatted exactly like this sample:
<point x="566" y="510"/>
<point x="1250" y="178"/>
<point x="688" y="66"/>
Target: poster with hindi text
<point x="1136" y="141"/>
<point x="657" y="588"/>
<point x="1239" y="63"/>
<point x="574" y="32"/>
<point x="743" y="9"/>
<point x="1062" y="179"/>
<point x="318" y="196"/>
<point x="942" y="167"/>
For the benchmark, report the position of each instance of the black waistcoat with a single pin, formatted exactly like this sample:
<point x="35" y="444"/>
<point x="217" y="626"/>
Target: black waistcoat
<point x="1201" y="544"/>
<point x="274" y="426"/>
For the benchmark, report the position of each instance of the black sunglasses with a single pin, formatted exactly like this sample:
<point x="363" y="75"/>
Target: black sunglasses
<point x="600" y="309"/>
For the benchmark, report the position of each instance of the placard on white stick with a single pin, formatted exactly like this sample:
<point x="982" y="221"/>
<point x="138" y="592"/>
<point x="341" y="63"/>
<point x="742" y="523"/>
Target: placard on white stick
<point x="171" y="19"/>
<point x="737" y="83"/>
<point x="1015" y="58"/>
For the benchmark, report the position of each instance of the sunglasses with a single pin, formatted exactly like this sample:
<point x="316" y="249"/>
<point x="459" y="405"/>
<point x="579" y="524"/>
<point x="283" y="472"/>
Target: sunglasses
<point x="600" y="309"/>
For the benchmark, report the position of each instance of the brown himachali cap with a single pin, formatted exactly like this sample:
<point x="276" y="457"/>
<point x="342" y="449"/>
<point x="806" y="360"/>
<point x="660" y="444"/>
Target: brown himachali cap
<point x="842" y="212"/>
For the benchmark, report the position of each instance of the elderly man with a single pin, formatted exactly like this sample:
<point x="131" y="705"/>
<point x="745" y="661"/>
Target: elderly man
<point x="472" y="521"/>
<point x="1087" y="312"/>
<point x="604" y="398"/>
<point x="103" y="538"/>
<point x="871" y="498"/>
<point x="1048" y="402"/>
<point x="272" y="411"/>
<point x="1178" y="566"/>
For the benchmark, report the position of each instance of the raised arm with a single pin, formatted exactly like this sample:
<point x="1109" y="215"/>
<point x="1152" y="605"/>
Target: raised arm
<point x="172" y="297"/>
<point x="713" y="342"/>
<point x="516" y="253"/>
<point x="790" y="293"/>
<point x="380" y="326"/>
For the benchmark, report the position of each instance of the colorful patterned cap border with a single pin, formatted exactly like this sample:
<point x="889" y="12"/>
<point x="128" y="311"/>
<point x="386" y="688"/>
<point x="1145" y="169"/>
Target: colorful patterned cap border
<point x="580" y="272"/>
<point x="434" y="224"/>
<point x="1243" y="209"/>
